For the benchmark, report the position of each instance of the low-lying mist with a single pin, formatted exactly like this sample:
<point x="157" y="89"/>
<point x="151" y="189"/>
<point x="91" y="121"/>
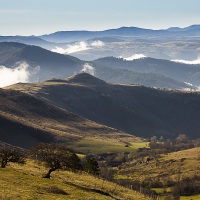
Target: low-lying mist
<point x="133" y="57"/>
<point x="190" y="62"/>
<point x="20" y="73"/>
<point x="79" y="46"/>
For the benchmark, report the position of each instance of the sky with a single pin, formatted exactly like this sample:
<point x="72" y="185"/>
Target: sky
<point x="37" y="17"/>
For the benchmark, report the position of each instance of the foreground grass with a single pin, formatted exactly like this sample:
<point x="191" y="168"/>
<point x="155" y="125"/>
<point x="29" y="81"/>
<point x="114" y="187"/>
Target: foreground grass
<point x="95" y="146"/>
<point x="25" y="182"/>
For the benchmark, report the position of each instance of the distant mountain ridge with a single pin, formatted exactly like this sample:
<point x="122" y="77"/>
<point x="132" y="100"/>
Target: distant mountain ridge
<point x="147" y="71"/>
<point x="69" y="36"/>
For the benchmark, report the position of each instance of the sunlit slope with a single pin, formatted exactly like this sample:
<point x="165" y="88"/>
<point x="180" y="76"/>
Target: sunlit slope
<point x="26" y="182"/>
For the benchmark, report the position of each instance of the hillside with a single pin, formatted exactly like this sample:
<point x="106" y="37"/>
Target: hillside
<point x="47" y="64"/>
<point x="162" y="171"/>
<point x="25" y="182"/>
<point x="124" y="76"/>
<point x="187" y="161"/>
<point x="177" y="71"/>
<point x="134" y="109"/>
<point x="25" y="121"/>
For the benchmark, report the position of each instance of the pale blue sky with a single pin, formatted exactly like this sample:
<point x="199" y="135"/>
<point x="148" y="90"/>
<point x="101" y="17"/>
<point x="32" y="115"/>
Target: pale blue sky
<point x="28" y="17"/>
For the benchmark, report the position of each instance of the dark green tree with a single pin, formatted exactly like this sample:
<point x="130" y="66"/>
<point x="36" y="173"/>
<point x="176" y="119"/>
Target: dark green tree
<point x="91" y="166"/>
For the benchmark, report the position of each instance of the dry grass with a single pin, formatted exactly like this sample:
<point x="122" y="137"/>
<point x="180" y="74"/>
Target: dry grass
<point x="171" y="166"/>
<point x="186" y="161"/>
<point x="25" y="182"/>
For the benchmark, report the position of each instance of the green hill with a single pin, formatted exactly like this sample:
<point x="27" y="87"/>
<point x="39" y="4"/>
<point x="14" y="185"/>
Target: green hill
<point x="25" y="182"/>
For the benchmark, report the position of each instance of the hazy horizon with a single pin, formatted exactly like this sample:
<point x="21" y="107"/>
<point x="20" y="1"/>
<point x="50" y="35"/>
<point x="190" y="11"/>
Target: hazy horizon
<point x="25" y="17"/>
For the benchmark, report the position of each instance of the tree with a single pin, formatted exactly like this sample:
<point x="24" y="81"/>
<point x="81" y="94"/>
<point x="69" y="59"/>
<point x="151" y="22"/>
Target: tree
<point x="182" y="138"/>
<point x="91" y="166"/>
<point x="11" y="154"/>
<point x="56" y="156"/>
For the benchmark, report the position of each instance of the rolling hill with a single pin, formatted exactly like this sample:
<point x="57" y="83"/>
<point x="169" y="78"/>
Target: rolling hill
<point x="124" y="76"/>
<point x="26" y="120"/>
<point x="134" y="109"/>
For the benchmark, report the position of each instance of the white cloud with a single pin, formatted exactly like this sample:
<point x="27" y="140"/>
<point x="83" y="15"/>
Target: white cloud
<point x="190" y="62"/>
<point x="78" y="46"/>
<point x="190" y="84"/>
<point x="97" y="43"/>
<point x="134" y="57"/>
<point x="20" y="73"/>
<point x="88" y="69"/>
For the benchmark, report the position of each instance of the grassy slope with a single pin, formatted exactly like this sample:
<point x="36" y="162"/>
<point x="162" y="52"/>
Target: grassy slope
<point x="133" y="109"/>
<point x="187" y="161"/>
<point x="88" y="145"/>
<point x="25" y="182"/>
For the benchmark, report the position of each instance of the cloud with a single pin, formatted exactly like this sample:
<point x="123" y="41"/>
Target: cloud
<point x="134" y="57"/>
<point x="88" y="69"/>
<point x="78" y="46"/>
<point x="190" y="62"/>
<point x="97" y="43"/>
<point x="20" y="73"/>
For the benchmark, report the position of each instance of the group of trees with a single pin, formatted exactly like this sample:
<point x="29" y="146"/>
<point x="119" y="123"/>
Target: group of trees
<point x="53" y="156"/>
<point x="162" y="146"/>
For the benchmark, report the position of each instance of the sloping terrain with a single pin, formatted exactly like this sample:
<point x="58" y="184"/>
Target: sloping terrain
<point x="47" y="63"/>
<point x="177" y="71"/>
<point x="124" y="76"/>
<point x="165" y="170"/>
<point x="185" y="161"/>
<point x="25" y="121"/>
<point x="25" y="182"/>
<point x="133" y="109"/>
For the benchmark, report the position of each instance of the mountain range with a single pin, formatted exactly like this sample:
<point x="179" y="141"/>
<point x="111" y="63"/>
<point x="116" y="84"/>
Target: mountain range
<point x="171" y="44"/>
<point x="44" y="64"/>
<point x="69" y="36"/>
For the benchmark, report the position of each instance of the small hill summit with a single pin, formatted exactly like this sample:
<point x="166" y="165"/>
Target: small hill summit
<point x="85" y="78"/>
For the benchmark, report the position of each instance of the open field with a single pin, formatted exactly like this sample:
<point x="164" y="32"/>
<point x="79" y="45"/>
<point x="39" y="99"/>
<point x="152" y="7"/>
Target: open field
<point x="95" y="146"/>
